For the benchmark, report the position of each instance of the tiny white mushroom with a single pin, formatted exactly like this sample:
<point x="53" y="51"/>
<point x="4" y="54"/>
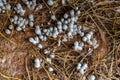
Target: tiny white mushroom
<point x="53" y="17"/>
<point x="89" y="36"/>
<point x="12" y="19"/>
<point x="8" y="7"/>
<point x="66" y="22"/>
<point x="63" y="2"/>
<point x="18" y="28"/>
<point x="92" y="77"/>
<point x="45" y="30"/>
<point x="83" y="68"/>
<point x="90" y="51"/>
<point x="65" y="15"/>
<point x="65" y="27"/>
<point x="94" y="42"/>
<point x="31" y="17"/>
<point x="21" y="24"/>
<point x="38" y="30"/>
<point x="52" y="55"/>
<point x="91" y="32"/>
<point x="3" y="11"/>
<point x="54" y="35"/>
<point x="80" y="48"/>
<point x="71" y="25"/>
<point x="37" y="39"/>
<point x="50" y="69"/>
<point x="37" y="63"/>
<point x="7" y="31"/>
<point x="76" y="43"/>
<point x="15" y="18"/>
<point x="59" y="28"/>
<point x="81" y="44"/>
<point x="51" y="29"/>
<point x="69" y="34"/>
<point x="50" y="2"/>
<point x="82" y="34"/>
<point x="76" y="8"/>
<point x="18" y="6"/>
<point x="41" y="37"/>
<point x="10" y="27"/>
<point x="15" y="22"/>
<point x="62" y="19"/>
<point x="72" y="13"/>
<point x="26" y="22"/>
<point x="1" y="4"/>
<point x="44" y="38"/>
<point x="48" y="33"/>
<point x="40" y="46"/>
<point x="75" y="47"/>
<point x="64" y="38"/>
<point x="79" y="27"/>
<point x="22" y="12"/>
<point x="89" y="42"/>
<point x="79" y="66"/>
<point x="31" y="24"/>
<point x="19" y="9"/>
<point x="78" y="12"/>
<point x="48" y="23"/>
<point x="59" y="43"/>
<point x="48" y="60"/>
<point x="84" y="39"/>
<point x="59" y="23"/>
<point x="82" y="71"/>
<point x="73" y="19"/>
<point x="33" y="41"/>
<point x="76" y="18"/>
<point x="46" y="51"/>
<point x="39" y="7"/>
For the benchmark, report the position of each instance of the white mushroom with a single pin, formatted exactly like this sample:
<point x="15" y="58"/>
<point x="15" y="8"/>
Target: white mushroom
<point x="50" y="2"/>
<point x="7" y="31"/>
<point x="50" y="69"/>
<point x="37" y="63"/>
<point x="92" y="77"/>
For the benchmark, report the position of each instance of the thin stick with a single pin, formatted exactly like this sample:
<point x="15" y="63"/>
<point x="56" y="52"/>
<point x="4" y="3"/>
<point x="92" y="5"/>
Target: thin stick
<point x="27" y="69"/>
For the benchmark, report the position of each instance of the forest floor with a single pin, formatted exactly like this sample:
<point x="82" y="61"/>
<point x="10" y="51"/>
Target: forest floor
<point x="17" y="54"/>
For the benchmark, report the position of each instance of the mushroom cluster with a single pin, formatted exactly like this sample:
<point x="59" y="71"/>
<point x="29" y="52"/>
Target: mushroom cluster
<point x="65" y="29"/>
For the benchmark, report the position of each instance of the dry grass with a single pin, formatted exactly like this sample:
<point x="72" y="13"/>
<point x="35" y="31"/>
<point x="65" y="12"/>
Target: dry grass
<point x="17" y="54"/>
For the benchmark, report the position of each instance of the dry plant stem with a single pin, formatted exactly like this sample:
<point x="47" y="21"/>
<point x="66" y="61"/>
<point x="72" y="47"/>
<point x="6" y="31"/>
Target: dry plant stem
<point x="7" y="38"/>
<point x="27" y="70"/>
<point x="8" y="77"/>
<point x="50" y="78"/>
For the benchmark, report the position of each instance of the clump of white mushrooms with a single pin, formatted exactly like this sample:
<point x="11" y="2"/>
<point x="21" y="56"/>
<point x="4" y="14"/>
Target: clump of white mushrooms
<point x="67" y="24"/>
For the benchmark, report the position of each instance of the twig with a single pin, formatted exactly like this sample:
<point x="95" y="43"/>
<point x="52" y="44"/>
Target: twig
<point x="27" y="69"/>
